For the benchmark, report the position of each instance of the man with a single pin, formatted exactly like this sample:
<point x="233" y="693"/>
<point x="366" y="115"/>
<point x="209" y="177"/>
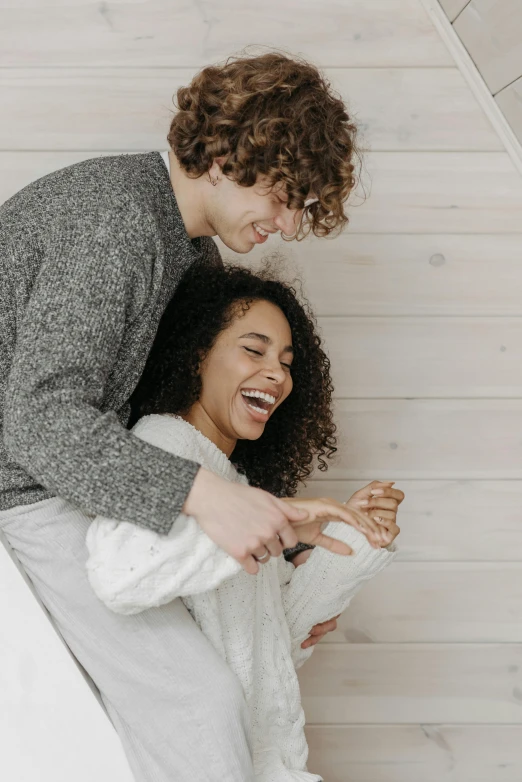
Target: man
<point x="90" y="256"/>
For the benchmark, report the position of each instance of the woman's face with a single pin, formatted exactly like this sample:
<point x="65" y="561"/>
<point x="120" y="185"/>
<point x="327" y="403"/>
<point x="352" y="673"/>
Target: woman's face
<point x="245" y="377"/>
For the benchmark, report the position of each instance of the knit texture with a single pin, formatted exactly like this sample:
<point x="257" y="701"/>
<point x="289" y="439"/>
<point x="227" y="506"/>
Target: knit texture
<point x="89" y="258"/>
<point x="256" y="623"/>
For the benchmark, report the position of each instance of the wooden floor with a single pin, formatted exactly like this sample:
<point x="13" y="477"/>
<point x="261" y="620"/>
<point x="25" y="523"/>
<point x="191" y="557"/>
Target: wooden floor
<point x="420" y="303"/>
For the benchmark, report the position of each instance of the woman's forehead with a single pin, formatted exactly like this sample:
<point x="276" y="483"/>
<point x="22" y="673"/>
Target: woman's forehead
<point x="261" y="317"/>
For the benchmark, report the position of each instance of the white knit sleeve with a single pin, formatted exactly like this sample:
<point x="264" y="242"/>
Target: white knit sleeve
<point x="132" y="568"/>
<point x="324" y="585"/>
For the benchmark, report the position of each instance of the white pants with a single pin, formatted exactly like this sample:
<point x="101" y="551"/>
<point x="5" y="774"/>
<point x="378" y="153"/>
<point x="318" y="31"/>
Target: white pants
<point x="178" y="709"/>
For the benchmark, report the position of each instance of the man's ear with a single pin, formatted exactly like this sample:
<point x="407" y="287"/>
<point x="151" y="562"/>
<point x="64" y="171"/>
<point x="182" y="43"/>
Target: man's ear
<point x="216" y="168"/>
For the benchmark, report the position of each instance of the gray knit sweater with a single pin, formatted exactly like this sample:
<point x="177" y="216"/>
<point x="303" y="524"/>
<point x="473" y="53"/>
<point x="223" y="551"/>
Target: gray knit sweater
<point x="89" y="258"/>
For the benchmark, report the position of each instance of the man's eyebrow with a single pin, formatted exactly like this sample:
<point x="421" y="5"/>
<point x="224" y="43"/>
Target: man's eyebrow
<point x="265" y="339"/>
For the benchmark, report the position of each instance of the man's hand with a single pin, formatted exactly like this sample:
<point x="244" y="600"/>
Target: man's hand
<point x="319" y="631"/>
<point x="244" y="521"/>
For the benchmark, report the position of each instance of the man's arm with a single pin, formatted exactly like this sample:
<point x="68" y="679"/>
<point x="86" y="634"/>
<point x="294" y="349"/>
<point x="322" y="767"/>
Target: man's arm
<point x="65" y="352"/>
<point x="54" y="428"/>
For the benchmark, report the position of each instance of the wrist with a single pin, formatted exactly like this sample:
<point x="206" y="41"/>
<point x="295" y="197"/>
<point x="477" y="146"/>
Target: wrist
<point x="203" y="482"/>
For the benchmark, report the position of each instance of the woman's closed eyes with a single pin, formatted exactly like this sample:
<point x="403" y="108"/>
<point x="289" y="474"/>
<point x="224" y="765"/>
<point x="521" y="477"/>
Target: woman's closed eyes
<point x="258" y="353"/>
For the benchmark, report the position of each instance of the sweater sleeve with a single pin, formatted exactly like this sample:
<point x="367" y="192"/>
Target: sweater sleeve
<point x="131" y="569"/>
<point x="325" y="584"/>
<point x="54" y="424"/>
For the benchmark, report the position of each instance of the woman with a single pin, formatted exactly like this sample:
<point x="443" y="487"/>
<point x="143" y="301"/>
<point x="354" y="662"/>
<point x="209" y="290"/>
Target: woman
<point x="237" y="381"/>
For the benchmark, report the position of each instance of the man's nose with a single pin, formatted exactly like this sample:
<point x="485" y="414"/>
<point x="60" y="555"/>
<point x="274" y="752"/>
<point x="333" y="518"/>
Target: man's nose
<point x="287" y="221"/>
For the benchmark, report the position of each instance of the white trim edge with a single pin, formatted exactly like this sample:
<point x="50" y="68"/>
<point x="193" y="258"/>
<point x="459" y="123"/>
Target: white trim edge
<point x="475" y="81"/>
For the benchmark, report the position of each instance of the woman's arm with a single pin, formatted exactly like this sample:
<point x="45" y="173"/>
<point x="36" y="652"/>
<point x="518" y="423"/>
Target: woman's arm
<point x="325" y="584"/>
<point x="131" y="568"/>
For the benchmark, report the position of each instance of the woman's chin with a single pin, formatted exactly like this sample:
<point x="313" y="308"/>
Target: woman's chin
<point x="249" y="424"/>
<point x="252" y="432"/>
<point x="247" y="428"/>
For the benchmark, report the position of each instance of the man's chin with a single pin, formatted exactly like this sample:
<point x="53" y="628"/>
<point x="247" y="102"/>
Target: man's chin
<point x="238" y="247"/>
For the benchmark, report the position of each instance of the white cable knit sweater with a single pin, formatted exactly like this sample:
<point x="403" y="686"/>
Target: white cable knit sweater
<point x="256" y="623"/>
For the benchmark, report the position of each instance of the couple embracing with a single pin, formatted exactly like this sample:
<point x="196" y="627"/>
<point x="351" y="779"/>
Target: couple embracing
<point x="160" y="410"/>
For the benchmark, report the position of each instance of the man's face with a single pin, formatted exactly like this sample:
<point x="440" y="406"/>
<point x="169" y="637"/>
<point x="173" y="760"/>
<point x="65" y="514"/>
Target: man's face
<point x="245" y="216"/>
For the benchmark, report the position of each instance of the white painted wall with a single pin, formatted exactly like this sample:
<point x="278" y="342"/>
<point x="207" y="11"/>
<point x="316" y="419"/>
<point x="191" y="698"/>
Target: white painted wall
<point x="53" y="728"/>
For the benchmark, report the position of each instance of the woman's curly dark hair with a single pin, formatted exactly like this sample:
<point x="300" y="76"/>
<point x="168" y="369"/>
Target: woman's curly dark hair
<point x="207" y="300"/>
<point x="274" y="115"/>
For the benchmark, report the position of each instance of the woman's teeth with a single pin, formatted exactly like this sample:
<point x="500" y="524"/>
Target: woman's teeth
<point x="258" y="409"/>
<point x="259" y="395"/>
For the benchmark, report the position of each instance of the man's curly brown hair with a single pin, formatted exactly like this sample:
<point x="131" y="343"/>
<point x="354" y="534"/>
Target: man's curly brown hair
<point x="277" y="116"/>
<point x="207" y="300"/>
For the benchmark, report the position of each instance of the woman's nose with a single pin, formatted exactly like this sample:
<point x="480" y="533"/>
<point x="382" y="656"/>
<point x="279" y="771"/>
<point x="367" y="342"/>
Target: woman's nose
<point x="274" y="372"/>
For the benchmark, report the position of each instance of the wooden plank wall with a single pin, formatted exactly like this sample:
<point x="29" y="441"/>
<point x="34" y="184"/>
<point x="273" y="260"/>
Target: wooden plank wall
<point x="491" y="31"/>
<point x="419" y="303"/>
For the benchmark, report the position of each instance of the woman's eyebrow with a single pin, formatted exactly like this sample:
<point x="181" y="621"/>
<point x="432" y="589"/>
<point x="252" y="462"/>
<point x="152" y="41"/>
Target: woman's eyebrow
<point x="265" y="339"/>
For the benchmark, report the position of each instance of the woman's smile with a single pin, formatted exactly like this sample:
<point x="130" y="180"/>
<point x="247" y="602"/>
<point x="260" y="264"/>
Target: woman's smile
<point x="245" y="376"/>
<point x="258" y="403"/>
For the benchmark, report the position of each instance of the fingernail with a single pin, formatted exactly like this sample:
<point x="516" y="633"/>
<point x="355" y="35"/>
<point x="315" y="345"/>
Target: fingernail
<point x="375" y="492"/>
<point x="363" y="502"/>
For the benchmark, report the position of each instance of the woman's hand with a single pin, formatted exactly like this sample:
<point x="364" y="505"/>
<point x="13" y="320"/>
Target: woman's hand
<point x="380" y="502"/>
<point x="322" y="510"/>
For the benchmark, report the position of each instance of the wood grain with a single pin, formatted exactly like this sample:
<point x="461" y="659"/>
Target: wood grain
<point x="436" y="602"/>
<point x="428" y="274"/>
<point x="424" y="357"/>
<point x="510" y="101"/>
<point x="412" y="683"/>
<point x="422" y="192"/>
<point x="131" y="108"/>
<point x="409" y="753"/>
<point x="491" y="32"/>
<point x="428" y="439"/>
<point x="453" y="7"/>
<point x="161" y="33"/>
<point x="450" y="520"/>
